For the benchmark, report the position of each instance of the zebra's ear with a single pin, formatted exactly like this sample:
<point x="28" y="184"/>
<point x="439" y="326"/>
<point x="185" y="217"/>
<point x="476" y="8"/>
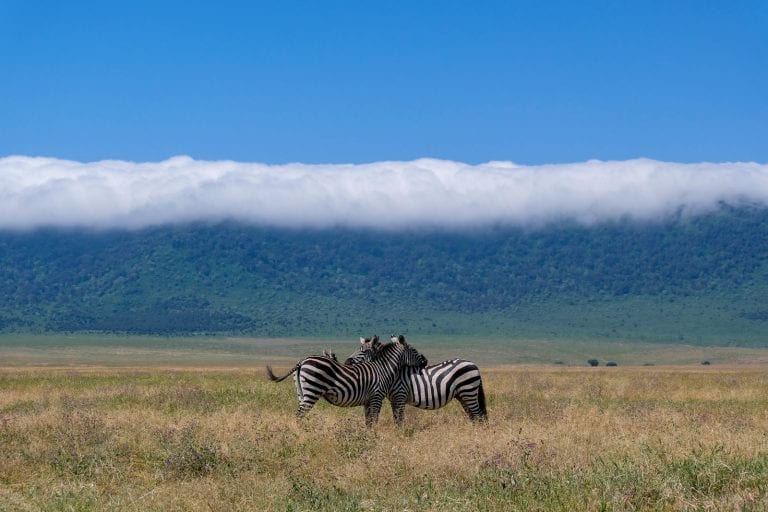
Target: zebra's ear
<point x="375" y="338"/>
<point x="401" y="339"/>
<point x="362" y="340"/>
<point x="375" y="343"/>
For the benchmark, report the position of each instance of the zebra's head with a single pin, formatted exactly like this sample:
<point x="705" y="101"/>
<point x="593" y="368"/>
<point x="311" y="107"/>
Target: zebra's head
<point x="370" y="348"/>
<point x="330" y="354"/>
<point x="411" y="356"/>
<point x="365" y="352"/>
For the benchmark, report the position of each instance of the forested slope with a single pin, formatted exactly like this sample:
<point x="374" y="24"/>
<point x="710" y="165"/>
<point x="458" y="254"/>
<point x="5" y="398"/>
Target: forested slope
<point x="700" y="279"/>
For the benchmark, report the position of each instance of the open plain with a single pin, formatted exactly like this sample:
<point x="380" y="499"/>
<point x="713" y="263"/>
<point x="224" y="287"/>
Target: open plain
<point x="212" y="437"/>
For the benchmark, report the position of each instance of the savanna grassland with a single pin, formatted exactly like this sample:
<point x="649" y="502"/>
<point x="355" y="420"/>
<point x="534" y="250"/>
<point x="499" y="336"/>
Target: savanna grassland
<point x="559" y="438"/>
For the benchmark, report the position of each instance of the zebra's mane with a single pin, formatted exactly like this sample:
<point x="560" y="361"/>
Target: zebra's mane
<point x="382" y="350"/>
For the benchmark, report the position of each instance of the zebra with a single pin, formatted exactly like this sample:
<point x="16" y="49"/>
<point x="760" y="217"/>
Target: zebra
<point x="366" y="383"/>
<point x="431" y="387"/>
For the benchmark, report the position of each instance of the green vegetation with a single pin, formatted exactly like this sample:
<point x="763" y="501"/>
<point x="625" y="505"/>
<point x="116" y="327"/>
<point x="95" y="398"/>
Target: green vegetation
<point x="695" y="280"/>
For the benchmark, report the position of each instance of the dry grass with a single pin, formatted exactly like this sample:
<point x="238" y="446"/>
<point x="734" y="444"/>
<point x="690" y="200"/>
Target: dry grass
<point x="558" y="439"/>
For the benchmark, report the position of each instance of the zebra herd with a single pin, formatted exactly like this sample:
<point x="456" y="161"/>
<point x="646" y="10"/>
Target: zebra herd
<point x="394" y="370"/>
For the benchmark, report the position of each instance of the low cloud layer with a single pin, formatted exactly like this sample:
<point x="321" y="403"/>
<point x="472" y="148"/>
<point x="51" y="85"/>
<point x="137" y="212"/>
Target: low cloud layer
<point x="41" y="192"/>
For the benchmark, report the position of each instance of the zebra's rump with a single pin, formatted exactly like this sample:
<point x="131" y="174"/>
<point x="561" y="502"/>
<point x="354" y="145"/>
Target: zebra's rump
<point x="434" y="386"/>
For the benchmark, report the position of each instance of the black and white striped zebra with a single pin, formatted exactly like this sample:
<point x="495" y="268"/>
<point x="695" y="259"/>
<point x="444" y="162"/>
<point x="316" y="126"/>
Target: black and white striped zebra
<point x="432" y="387"/>
<point x="366" y="383"/>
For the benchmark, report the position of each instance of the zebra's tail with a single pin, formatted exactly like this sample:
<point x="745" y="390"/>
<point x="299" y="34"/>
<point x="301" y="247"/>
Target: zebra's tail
<point x="275" y="378"/>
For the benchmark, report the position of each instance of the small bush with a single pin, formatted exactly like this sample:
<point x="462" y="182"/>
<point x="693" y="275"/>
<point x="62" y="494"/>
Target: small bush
<point x="352" y="442"/>
<point x="593" y="362"/>
<point x="187" y="456"/>
<point x="306" y="494"/>
<point x="81" y="444"/>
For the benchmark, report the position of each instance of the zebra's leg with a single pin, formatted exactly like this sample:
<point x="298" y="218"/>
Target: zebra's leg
<point x="474" y="405"/>
<point x="469" y="406"/>
<point x="482" y="414"/>
<point x="306" y="403"/>
<point x="372" y="410"/>
<point x="397" y="401"/>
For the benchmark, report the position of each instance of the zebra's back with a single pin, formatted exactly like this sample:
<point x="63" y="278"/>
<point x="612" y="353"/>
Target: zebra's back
<point x="345" y="386"/>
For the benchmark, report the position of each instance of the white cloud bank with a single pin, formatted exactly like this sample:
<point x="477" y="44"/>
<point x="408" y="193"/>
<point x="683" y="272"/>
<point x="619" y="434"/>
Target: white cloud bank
<point x="37" y="192"/>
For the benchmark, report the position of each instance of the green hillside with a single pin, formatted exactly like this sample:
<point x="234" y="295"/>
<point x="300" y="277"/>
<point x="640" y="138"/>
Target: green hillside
<point x="699" y="280"/>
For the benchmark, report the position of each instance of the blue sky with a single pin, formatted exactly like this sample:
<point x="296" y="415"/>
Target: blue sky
<point x="334" y="82"/>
